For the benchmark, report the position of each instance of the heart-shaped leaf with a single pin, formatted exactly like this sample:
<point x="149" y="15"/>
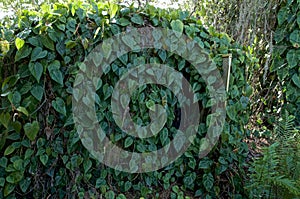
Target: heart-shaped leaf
<point x="19" y="43"/>
<point x="123" y="22"/>
<point x="31" y="130"/>
<point x="106" y="47"/>
<point x="8" y="189"/>
<point x="137" y="19"/>
<point x="9" y="150"/>
<point x="36" y="70"/>
<point x="4" y="119"/>
<point x="296" y="80"/>
<point x="128" y="142"/>
<point x="44" y="159"/>
<point x="37" y="92"/>
<point x="208" y="181"/>
<point x="38" y="53"/>
<point x="295" y="37"/>
<point x="22" y="53"/>
<point x="292" y="57"/>
<point x="35" y="41"/>
<point x="282" y="15"/>
<point x="125" y="100"/>
<point x="47" y="42"/>
<point x="59" y="106"/>
<point x="55" y="72"/>
<point x="177" y="26"/>
<point x="22" y="110"/>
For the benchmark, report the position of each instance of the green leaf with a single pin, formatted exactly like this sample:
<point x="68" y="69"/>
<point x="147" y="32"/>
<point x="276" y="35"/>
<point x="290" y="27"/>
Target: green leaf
<point x="296" y="80"/>
<point x="137" y="19"/>
<point x="18" y="164"/>
<point x="61" y="48"/>
<point x="2" y="182"/>
<point x="14" y="177"/>
<point x="87" y="165"/>
<point x="55" y="72"/>
<point x="28" y="153"/>
<point x="124" y="100"/>
<point x="19" y="43"/>
<point x="163" y="55"/>
<point x="113" y="10"/>
<point x="61" y="26"/>
<point x="106" y="47"/>
<point x="211" y="80"/>
<point x="22" y="110"/>
<point x="248" y="90"/>
<point x="47" y="42"/>
<point x="35" y="41"/>
<point x="179" y="141"/>
<point x="3" y="162"/>
<point x="129" y="41"/>
<point x="44" y="159"/>
<point x="59" y="105"/>
<point x="189" y="179"/>
<point x="4" y="119"/>
<point x="279" y="35"/>
<point x="232" y="113"/>
<point x="122" y="196"/>
<point x="31" y="130"/>
<point x="204" y="145"/>
<point x="292" y="58"/>
<point x="150" y="104"/>
<point x="24" y="184"/>
<point x="163" y="136"/>
<point x="9" y="150"/>
<point x="70" y="44"/>
<point x="22" y="53"/>
<point x="295" y="38"/>
<point x="37" y="92"/>
<point x="10" y="81"/>
<point x="127" y="186"/>
<point x="177" y="26"/>
<point x="14" y="98"/>
<point x="222" y="160"/>
<point x="282" y="15"/>
<point x="128" y="142"/>
<point x="36" y="69"/>
<point x="38" y="53"/>
<point x="17" y="126"/>
<point x="123" y="22"/>
<point x="208" y="181"/>
<point x="109" y="195"/>
<point x="8" y="189"/>
<point x="205" y="163"/>
<point x="157" y="34"/>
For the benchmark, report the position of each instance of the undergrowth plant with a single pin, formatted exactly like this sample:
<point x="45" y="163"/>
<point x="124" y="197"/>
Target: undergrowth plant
<point x="276" y="174"/>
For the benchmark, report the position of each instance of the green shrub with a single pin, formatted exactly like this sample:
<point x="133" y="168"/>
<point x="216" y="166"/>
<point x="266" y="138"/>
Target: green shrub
<point x="41" y="153"/>
<point x="276" y="174"/>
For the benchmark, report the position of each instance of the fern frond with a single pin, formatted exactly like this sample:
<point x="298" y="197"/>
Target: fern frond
<point x="285" y="128"/>
<point x="277" y="173"/>
<point x="289" y="184"/>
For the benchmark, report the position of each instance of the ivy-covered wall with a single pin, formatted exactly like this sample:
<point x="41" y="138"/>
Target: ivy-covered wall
<point x="41" y="153"/>
<point x="286" y="56"/>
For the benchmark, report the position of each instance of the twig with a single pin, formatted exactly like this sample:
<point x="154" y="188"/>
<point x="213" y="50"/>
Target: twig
<point x="38" y="107"/>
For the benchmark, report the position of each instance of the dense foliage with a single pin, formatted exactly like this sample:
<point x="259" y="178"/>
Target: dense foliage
<point x="276" y="174"/>
<point x="286" y="57"/>
<point x="41" y="153"/>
